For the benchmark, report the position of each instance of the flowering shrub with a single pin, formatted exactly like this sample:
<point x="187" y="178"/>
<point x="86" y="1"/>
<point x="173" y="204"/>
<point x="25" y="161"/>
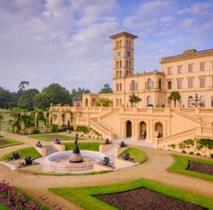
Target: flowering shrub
<point x="14" y="199"/>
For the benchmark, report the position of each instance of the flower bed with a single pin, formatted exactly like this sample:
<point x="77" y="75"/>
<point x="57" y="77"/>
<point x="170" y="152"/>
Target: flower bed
<point x="14" y="199"/>
<point x="200" y="167"/>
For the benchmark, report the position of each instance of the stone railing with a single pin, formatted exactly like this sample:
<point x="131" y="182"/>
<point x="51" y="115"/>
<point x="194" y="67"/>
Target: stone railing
<point x="188" y="116"/>
<point x="178" y="136"/>
<point x="206" y="111"/>
<point x="199" y="132"/>
<point x="145" y="110"/>
<point x="106" y="133"/>
<point x="205" y="132"/>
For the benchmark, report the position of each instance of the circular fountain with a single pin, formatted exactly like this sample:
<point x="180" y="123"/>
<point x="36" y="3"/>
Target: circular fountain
<point x="75" y="161"/>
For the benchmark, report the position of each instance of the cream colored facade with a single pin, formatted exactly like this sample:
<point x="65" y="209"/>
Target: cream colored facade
<point x="153" y="119"/>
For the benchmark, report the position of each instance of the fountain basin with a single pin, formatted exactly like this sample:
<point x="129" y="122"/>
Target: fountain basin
<point x="59" y="162"/>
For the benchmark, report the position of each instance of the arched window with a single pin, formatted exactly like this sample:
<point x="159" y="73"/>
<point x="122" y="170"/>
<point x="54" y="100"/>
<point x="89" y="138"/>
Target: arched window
<point x="93" y="102"/>
<point x="116" y="44"/>
<point x="133" y="85"/>
<point x="149" y="100"/>
<point x="190" y="101"/>
<point x="128" y="129"/>
<point x="142" y="130"/>
<point x="212" y="97"/>
<point x="159" y="130"/>
<point x="159" y="84"/>
<point x="117" y="64"/>
<point x="149" y="84"/>
<point x="86" y="102"/>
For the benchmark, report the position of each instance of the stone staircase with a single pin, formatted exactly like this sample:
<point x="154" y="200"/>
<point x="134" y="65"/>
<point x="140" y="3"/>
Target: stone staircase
<point x="105" y="132"/>
<point x="191" y="117"/>
<point x="115" y="110"/>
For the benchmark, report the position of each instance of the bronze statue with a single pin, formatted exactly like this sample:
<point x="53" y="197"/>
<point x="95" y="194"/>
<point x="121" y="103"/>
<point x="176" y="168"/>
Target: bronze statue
<point x="76" y="156"/>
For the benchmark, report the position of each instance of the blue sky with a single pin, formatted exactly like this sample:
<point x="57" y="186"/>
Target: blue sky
<point x="66" y="41"/>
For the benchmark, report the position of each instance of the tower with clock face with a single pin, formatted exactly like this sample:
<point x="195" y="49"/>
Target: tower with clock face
<point x="123" y="62"/>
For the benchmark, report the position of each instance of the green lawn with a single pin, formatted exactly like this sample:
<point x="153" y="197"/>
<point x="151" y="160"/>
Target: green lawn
<point x="51" y="137"/>
<point x="83" y="146"/>
<point x="85" y="197"/>
<point x="137" y="154"/>
<point x="181" y="163"/>
<point x="29" y="151"/>
<point x="3" y="207"/>
<point x="5" y="142"/>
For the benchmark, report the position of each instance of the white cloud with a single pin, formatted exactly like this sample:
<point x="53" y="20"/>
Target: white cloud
<point x="46" y="41"/>
<point x="60" y="42"/>
<point x="200" y="8"/>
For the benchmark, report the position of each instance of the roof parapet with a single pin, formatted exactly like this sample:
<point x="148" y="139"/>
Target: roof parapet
<point x="115" y="36"/>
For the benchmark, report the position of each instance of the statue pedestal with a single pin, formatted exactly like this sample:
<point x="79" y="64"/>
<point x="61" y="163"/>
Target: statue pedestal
<point x="76" y="158"/>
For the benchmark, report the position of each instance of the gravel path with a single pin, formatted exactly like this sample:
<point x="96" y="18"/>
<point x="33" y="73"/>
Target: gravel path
<point x="155" y="168"/>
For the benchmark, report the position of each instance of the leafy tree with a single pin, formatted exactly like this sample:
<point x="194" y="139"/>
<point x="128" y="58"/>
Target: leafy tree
<point x="40" y="101"/>
<point x="56" y="94"/>
<point x="79" y="92"/>
<point x="7" y="99"/>
<point x="23" y="84"/>
<point x="133" y="99"/>
<point x="175" y="96"/>
<point x="26" y="99"/>
<point x="106" y="89"/>
<point x="104" y="102"/>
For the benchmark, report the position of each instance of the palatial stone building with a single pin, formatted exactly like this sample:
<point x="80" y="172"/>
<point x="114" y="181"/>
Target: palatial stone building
<point x="154" y="119"/>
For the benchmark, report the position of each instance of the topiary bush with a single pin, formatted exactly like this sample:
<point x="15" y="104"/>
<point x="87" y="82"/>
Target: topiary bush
<point x="54" y="128"/>
<point x="36" y="131"/>
<point x="201" y="143"/>
<point x="173" y="146"/>
<point x="83" y="129"/>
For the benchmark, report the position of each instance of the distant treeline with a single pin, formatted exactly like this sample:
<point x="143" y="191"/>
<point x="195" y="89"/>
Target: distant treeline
<point x="30" y="99"/>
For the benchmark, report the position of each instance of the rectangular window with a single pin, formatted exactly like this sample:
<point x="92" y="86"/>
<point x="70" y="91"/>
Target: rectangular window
<point x="117" y="88"/>
<point x="119" y="53"/>
<point x="190" y="83"/>
<point x="202" y="66"/>
<point x="169" y="70"/>
<point x="169" y="85"/>
<point x="179" y="83"/>
<point x="128" y="53"/>
<point x="202" y="82"/>
<point x="190" y="67"/>
<point x="212" y="101"/>
<point x="179" y="69"/>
